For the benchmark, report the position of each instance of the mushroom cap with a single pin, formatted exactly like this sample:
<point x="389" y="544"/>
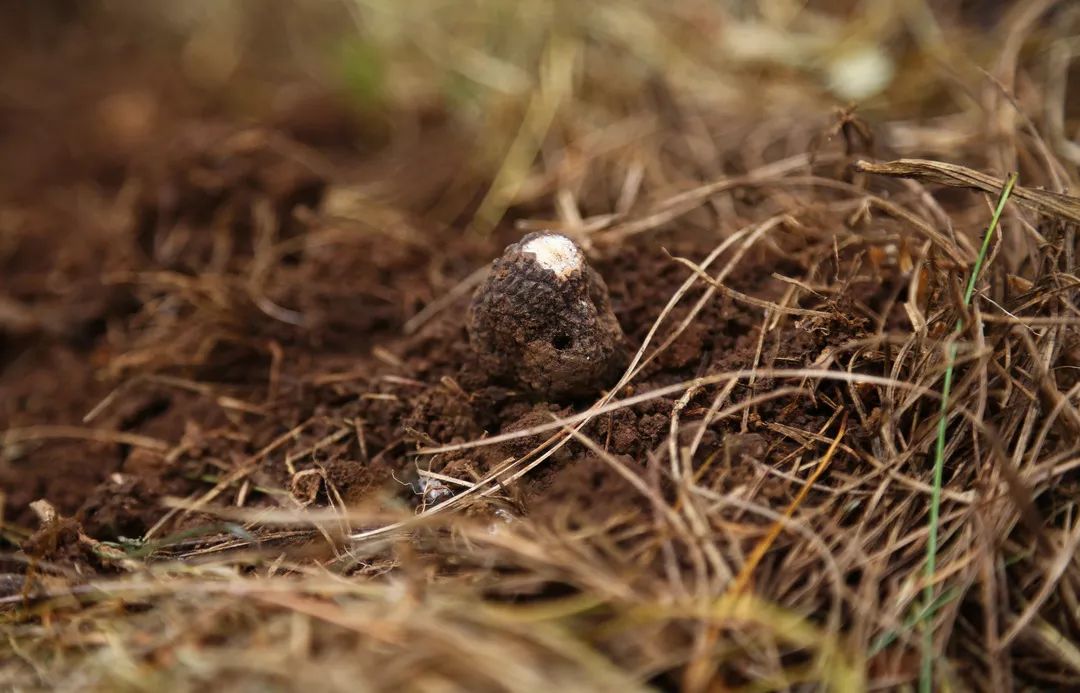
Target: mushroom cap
<point x="542" y="320"/>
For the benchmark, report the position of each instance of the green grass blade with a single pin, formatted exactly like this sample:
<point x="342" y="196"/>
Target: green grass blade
<point x="889" y="637"/>
<point x="926" y="675"/>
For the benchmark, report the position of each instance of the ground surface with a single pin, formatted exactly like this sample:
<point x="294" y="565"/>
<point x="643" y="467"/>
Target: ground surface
<point x="226" y="347"/>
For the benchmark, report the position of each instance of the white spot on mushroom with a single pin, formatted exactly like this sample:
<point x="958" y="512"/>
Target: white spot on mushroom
<point x="556" y="253"/>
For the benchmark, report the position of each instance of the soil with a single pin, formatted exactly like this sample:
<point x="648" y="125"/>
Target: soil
<point x="147" y="322"/>
<point x="347" y="363"/>
<point x="203" y="367"/>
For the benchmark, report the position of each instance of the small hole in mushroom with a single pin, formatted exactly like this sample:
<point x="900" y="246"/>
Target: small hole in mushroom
<point x="562" y="341"/>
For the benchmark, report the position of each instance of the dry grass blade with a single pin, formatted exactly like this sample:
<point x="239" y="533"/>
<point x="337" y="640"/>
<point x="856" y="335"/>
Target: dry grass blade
<point x="1057" y="205"/>
<point x="13" y="436"/>
<point x="742" y="580"/>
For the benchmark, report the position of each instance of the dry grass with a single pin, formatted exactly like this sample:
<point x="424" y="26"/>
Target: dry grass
<point x="628" y="126"/>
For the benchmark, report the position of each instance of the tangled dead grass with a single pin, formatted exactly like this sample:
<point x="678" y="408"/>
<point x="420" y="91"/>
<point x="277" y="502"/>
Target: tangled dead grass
<point x="332" y="498"/>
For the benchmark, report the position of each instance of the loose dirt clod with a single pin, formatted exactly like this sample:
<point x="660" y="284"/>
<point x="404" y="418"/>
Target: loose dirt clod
<point x="543" y="320"/>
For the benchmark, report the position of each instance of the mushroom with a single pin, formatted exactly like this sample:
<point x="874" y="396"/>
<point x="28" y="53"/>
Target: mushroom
<point x="542" y="320"/>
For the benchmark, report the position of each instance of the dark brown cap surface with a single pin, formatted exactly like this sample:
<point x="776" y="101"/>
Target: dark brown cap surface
<point x="543" y="321"/>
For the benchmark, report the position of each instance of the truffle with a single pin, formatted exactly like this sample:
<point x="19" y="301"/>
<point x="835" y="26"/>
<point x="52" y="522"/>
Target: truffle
<point x="542" y="320"/>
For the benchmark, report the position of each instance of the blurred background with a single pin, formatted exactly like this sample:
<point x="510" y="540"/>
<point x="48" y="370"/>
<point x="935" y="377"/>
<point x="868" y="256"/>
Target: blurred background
<point x="491" y="89"/>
